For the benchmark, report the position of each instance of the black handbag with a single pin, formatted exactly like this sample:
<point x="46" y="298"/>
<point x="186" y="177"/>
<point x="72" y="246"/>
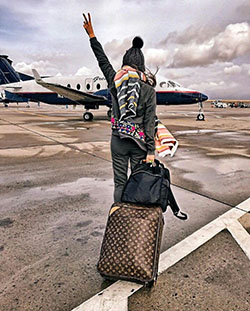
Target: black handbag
<point x="149" y="184"/>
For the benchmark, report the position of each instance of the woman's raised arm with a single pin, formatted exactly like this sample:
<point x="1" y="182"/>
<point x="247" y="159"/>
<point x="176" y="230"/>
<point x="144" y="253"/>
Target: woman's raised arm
<point x="100" y="55"/>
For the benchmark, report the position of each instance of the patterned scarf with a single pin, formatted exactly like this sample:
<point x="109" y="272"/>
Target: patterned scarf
<point x="128" y="90"/>
<point x="165" y="143"/>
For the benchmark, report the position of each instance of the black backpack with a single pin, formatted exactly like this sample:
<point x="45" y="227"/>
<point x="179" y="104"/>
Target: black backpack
<point x="149" y="184"/>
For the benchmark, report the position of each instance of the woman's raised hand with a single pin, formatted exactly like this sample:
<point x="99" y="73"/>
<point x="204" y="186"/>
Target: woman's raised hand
<point x="87" y="25"/>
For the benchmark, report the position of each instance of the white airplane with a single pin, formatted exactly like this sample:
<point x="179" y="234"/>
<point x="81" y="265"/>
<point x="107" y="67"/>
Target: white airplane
<point x="91" y="92"/>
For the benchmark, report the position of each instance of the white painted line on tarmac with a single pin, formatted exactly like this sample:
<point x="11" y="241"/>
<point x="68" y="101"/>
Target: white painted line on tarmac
<point x="189" y="244"/>
<point x="241" y="236"/>
<point x="115" y="297"/>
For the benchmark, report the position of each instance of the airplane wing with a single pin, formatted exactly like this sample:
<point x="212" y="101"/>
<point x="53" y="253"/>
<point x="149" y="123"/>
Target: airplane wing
<point x="72" y="94"/>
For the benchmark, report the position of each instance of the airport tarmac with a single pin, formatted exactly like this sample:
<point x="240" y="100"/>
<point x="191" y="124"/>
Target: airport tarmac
<point x="56" y="190"/>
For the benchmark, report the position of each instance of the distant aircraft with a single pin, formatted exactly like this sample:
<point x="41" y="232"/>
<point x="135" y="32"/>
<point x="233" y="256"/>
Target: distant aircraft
<point x="9" y="75"/>
<point x="91" y="92"/>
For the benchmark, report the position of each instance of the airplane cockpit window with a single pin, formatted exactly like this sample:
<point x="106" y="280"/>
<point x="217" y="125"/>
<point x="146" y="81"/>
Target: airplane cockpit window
<point x="78" y="86"/>
<point x="173" y="84"/>
<point x="169" y="83"/>
<point x="68" y="85"/>
<point x="162" y="83"/>
<point x="98" y="86"/>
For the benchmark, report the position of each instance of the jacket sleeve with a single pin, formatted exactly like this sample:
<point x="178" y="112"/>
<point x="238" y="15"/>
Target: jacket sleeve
<point x="149" y="122"/>
<point x="103" y="61"/>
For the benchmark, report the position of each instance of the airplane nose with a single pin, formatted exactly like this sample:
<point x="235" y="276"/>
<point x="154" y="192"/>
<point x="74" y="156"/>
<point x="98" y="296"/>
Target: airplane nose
<point x="203" y="97"/>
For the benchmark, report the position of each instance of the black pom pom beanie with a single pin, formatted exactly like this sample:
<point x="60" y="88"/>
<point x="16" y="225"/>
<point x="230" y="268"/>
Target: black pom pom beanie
<point x="134" y="56"/>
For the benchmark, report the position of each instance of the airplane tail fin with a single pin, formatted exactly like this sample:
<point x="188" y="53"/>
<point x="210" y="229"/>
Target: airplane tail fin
<point x="8" y="74"/>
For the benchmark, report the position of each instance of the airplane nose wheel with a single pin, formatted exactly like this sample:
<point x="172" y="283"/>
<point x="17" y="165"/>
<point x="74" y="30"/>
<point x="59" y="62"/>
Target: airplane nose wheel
<point x="87" y="116"/>
<point x="200" y="116"/>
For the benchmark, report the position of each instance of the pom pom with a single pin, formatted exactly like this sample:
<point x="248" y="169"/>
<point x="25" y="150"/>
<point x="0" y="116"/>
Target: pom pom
<point x="137" y="43"/>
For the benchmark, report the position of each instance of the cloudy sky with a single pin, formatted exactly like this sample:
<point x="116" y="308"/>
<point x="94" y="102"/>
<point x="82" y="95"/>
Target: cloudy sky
<point x="204" y="45"/>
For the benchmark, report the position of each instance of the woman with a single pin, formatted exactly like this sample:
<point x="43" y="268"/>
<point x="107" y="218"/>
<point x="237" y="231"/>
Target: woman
<point x="133" y="108"/>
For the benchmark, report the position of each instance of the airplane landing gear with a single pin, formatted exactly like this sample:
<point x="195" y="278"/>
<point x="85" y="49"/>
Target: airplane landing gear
<point x="87" y="116"/>
<point x="200" y="116"/>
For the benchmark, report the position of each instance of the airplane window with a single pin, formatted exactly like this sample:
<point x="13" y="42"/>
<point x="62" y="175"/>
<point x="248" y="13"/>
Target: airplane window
<point x="78" y="86"/>
<point x="87" y="86"/>
<point x="98" y="86"/>
<point x="68" y="85"/>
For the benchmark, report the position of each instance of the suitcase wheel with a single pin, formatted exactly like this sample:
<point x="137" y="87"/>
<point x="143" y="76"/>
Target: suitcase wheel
<point x="150" y="284"/>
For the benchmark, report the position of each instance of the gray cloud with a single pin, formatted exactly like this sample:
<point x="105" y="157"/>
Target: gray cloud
<point x="12" y="26"/>
<point x="156" y="57"/>
<point x="43" y="67"/>
<point x="193" y="33"/>
<point x="232" y="70"/>
<point x="242" y="11"/>
<point x="117" y="48"/>
<point x="233" y="42"/>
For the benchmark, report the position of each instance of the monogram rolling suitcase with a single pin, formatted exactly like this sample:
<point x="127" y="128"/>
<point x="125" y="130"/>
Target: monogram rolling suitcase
<point x="131" y="244"/>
